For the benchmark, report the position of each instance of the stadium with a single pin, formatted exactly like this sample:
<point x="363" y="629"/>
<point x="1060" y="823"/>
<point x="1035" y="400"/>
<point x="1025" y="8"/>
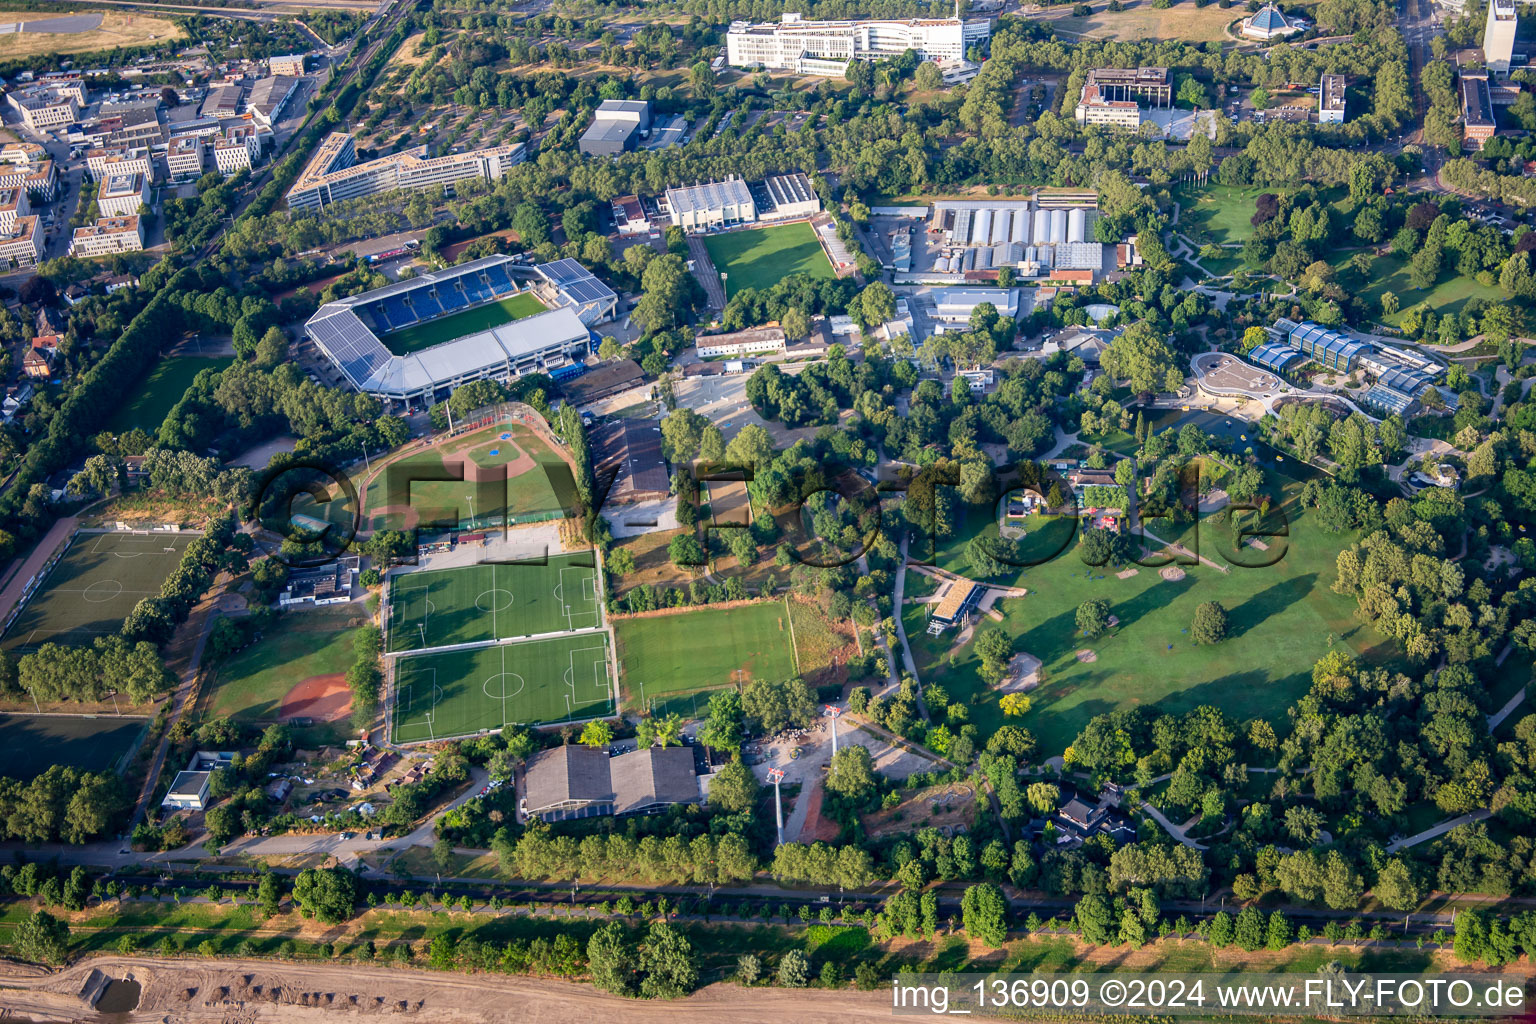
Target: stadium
<point x="418" y="339"/>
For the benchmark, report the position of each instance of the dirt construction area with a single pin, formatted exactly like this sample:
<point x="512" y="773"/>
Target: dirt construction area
<point x="248" y="991"/>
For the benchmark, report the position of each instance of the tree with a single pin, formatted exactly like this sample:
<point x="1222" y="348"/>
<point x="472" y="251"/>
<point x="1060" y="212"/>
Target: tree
<point x="995" y="648"/>
<point x="326" y="894"/>
<point x="875" y="305"/>
<point x="666" y="963"/>
<point x="1142" y="357"/>
<point x="984" y="913"/>
<point x="723" y="728"/>
<point x="1093" y="616"/>
<point x="1396" y="886"/>
<point x="794" y="969"/>
<point x="852" y="774"/>
<point x="1210" y="623"/>
<point x="734" y="788"/>
<point x="42" y="938"/>
<point x="596" y="734"/>
<point x="610" y="960"/>
<point x="269" y="894"/>
<point x="685" y="551"/>
<point x="777" y="705"/>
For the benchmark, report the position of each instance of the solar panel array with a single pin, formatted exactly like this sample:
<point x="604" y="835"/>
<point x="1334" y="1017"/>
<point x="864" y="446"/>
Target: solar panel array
<point x="577" y="281"/>
<point x="355" y="350"/>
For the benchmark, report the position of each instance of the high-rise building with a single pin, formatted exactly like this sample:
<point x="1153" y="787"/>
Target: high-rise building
<point x="1499" y="36"/>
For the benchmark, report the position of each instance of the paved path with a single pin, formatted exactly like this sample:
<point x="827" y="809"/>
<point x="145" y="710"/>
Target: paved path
<point x="1437" y="831"/>
<point x="706" y="274"/>
<point x="1497" y="719"/>
<point x="1182" y="550"/>
<point x="1177" y="831"/>
<point x="901" y="632"/>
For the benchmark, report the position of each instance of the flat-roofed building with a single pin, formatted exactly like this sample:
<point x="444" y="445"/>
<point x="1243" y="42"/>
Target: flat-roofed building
<point x="188" y="792"/>
<point x="1115" y="96"/>
<point x="25" y="165"/>
<point x="47" y="106"/>
<point x="1477" y="123"/>
<point x="121" y="195"/>
<point x="955" y="605"/>
<point x="1499" y="35"/>
<point x="333" y="175"/>
<point x="757" y="341"/>
<point x="184" y="158"/>
<point x="223" y="102"/>
<point x="712" y="205"/>
<point x="104" y="163"/>
<point x="108" y="235"/>
<point x="21" y="242"/>
<point x="288" y="64"/>
<point x="616" y="127"/>
<point x="825" y="47"/>
<point x="1330" y="100"/>
<point x="629" y="216"/>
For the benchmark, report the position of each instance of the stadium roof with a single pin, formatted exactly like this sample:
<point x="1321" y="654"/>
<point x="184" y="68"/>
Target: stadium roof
<point x="713" y="195"/>
<point x="578" y="287"/>
<point x="1273" y="355"/>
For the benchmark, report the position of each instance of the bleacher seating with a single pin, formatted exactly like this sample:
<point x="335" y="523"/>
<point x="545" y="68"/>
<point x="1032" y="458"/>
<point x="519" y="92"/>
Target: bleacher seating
<point x="476" y="288"/>
<point x="399" y="314"/>
<point x="450" y="297"/>
<point x="500" y="282"/>
<point x="426" y="303"/>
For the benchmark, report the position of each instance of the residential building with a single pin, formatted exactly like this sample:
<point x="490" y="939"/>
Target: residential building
<point x="1330" y="100"/>
<point x="333" y="174"/>
<point x="1499" y="36"/>
<point x="1268" y="24"/>
<point x="712" y="205"/>
<point x="269" y="98"/>
<point x="629" y="216"/>
<point x="184" y="158"/>
<point x="786" y="197"/>
<point x="1477" y="124"/>
<point x="289" y="64"/>
<point x="35" y="364"/>
<point x="826" y="47"/>
<point x="108" y="235"/>
<point x="47" y="106"/>
<point x="121" y="195"/>
<point x="616" y="127"/>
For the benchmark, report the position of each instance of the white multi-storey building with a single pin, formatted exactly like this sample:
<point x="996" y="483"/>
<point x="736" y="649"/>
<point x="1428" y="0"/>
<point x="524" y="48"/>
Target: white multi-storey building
<point x="826" y="47"/>
<point x="333" y="173"/>
<point x="184" y="158"/>
<point x="43" y="107"/>
<point x="231" y="156"/>
<point x="25" y="165"/>
<point x="104" y="163"/>
<point x="1499" y="36"/>
<point x="1330" y="99"/>
<point x="712" y="205"/>
<point x="108" y="235"/>
<point x="121" y="195"/>
<point x="21" y="243"/>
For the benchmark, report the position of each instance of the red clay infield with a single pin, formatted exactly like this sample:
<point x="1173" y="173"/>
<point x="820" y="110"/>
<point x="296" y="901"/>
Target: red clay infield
<point x="323" y="698"/>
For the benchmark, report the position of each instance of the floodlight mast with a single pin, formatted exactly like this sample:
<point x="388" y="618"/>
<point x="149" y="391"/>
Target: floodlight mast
<point x="832" y="711"/>
<point x="776" y="776"/>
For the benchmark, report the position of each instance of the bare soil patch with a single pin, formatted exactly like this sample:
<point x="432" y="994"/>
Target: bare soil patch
<point x="1087" y="656"/>
<point x="324" y="698"/>
<point x="1023" y="674"/>
<point x="1126" y="574"/>
<point x="1171" y="573"/>
<point x="940" y="807"/>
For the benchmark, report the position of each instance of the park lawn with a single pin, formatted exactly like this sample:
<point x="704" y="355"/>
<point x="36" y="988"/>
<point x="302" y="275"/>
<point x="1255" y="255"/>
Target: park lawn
<point x="1389" y="273"/>
<point x="252" y="682"/>
<point x="762" y="257"/>
<point x="457" y="325"/>
<point x="1283" y="618"/>
<point x="161" y="389"/>
<point x="1221" y="214"/>
<point x="670" y="659"/>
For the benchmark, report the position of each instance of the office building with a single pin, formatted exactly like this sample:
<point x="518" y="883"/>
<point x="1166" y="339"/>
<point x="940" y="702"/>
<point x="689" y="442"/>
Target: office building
<point x="290" y="64"/>
<point x="1499" y="36"/>
<point x="104" y="163"/>
<point x="1115" y="96"/>
<point x="108" y="235"/>
<point x="1477" y="124"/>
<point x="712" y="205"/>
<point x="616" y="127"/>
<point x="184" y="158"/>
<point x="43" y="106"/>
<point x="333" y="173"/>
<point x="20" y="241"/>
<point x="223" y="102"/>
<point x="1330" y="100"/>
<point x="825" y="47"/>
<point x="121" y="195"/>
<point x="25" y="165"/>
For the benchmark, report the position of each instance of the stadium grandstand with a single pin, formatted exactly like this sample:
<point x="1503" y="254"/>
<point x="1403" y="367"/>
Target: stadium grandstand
<point x="453" y="326"/>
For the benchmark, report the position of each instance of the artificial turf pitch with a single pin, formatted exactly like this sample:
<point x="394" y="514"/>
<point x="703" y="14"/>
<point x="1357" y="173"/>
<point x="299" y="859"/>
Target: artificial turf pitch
<point x="457" y="325"/>
<point x="492" y="601"/>
<point x="441" y="694"/>
<point x="30" y="744"/>
<point x="94" y="586"/>
<point x="670" y="659"/>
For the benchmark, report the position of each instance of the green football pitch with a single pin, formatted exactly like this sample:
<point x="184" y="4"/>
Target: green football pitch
<point x="457" y="325"/>
<point x="762" y="257"/>
<point x="492" y="601"/>
<point x="94" y="586"/>
<point x="441" y="694"/>
<point x="670" y="662"/>
<point x="29" y="744"/>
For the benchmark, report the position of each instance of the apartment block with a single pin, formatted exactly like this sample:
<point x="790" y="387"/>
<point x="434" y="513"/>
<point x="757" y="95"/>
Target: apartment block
<point x="333" y="173"/>
<point x="289" y="64"/>
<point x="121" y="195"/>
<point x="184" y="158"/>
